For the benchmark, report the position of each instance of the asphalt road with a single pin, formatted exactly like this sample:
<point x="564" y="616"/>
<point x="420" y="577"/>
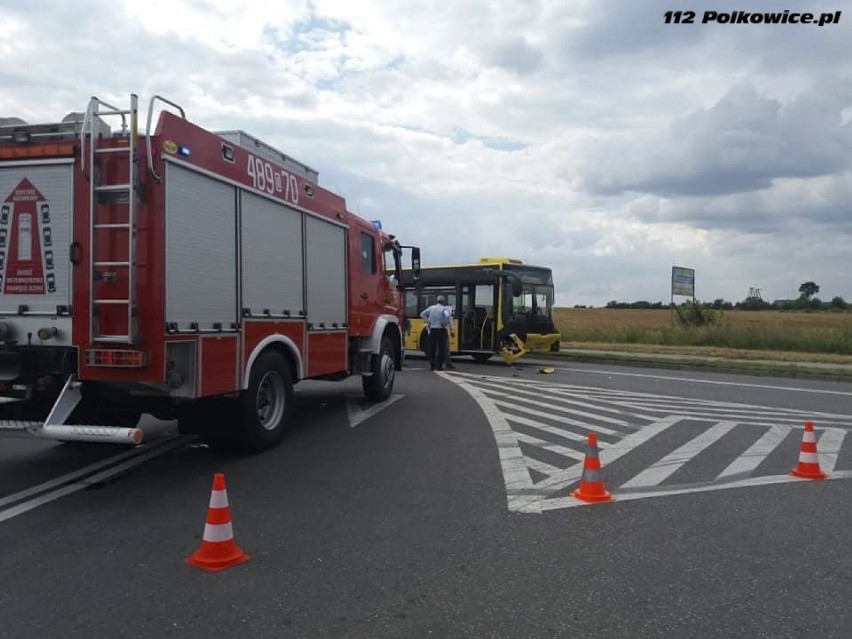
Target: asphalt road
<point x="415" y="523"/>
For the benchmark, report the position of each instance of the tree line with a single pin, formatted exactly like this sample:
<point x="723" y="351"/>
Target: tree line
<point x="807" y="300"/>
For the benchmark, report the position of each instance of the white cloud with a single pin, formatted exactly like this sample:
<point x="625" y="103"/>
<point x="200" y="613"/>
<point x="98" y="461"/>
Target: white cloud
<point x="587" y="135"/>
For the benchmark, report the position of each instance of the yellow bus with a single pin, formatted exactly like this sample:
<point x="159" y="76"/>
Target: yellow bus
<point x="500" y="306"/>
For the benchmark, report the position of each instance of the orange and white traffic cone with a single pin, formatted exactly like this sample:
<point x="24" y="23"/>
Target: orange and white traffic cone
<point x="808" y="466"/>
<point x="218" y="549"/>
<point x="591" y="487"/>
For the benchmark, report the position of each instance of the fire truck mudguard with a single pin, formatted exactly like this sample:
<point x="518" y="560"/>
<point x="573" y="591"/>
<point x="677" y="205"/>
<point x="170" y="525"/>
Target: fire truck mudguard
<point x="282" y="341"/>
<point x="180" y="272"/>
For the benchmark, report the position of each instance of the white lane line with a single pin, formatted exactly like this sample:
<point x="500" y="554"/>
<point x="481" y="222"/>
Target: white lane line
<point x="560" y="481"/>
<point x="74" y="475"/>
<point x="26" y="506"/>
<point x="357" y="414"/>
<point x="550" y="447"/>
<point x="570" y="502"/>
<point x="664" y="468"/>
<point x="516" y="475"/>
<point x="710" y="381"/>
<point x="584" y="425"/>
<point x="757" y="452"/>
<point x="828" y="448"/>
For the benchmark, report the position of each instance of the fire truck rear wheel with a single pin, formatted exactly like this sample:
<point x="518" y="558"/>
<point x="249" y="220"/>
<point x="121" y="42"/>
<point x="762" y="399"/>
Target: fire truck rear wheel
<point x="266" y="403"/>
<point x="379" y="386"/>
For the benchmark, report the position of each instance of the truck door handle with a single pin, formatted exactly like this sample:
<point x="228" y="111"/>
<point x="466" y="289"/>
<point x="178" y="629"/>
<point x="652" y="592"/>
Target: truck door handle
<point x="76" y="251"/>
<point x="363" y="296"/>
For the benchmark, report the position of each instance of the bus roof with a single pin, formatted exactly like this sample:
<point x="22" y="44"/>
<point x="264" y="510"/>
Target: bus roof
<point x="485" y="261"/>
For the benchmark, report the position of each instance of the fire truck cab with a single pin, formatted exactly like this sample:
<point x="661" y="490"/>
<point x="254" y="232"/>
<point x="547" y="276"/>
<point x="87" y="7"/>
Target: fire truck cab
<point x="184" y="273"/>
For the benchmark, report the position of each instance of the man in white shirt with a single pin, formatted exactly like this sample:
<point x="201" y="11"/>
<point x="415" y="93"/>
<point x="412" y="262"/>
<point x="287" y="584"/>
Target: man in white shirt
<point x="451" y="310"/>
<point x="437" y="323"/>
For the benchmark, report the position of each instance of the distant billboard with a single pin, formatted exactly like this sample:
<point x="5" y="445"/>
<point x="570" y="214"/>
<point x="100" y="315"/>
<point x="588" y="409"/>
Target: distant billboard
<point x="683" y="281"/>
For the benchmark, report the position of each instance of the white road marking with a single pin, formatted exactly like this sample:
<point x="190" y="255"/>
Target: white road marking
<point x="84" y="481"/>
<point x="757" y="452"/>
<point x="566" y="434"/>
<point x="536" y="400"/>
<point x="68" y="477"/>
<point x="585" y="426"/>
<point x="516" y="475"/>
<point x="537" y="404"/>
<point x="757" y="416"/>
<point x="549" y="446"/>
<point x="569" y="502"/>
<point x="828" y="448"/>
<point x="560" y="481"/>
<point x="668" y="465"/>
<point x="541" y="467"/>
<point x="358" y="414"/>
<point x="710" y="381"/>
<point x="567" y="393"/>
<point x="667" y="404"/>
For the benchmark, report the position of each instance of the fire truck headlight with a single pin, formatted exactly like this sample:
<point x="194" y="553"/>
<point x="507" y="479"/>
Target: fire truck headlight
<point x="47" y="332"/>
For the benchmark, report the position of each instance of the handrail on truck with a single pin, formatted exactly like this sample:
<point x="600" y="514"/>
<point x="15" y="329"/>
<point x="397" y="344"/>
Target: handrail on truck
<point x="148" y="130"/>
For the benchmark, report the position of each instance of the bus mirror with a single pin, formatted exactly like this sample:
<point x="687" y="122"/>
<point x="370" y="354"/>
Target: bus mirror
<point x="517" y="289"/>
<point x="415" y="262"/>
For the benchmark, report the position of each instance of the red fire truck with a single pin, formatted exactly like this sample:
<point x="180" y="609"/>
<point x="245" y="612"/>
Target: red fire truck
<point x="184" y="273"/>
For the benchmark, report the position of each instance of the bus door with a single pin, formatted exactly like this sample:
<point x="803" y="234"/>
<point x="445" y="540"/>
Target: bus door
<point x="467" y="335"/>
<point x="479" y="321"/>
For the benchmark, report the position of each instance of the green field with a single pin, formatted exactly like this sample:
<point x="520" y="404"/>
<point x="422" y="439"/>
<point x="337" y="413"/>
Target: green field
<point x="826" y="333"/>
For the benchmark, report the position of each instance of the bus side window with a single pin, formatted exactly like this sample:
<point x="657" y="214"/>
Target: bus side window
<point x="411" y="309"/>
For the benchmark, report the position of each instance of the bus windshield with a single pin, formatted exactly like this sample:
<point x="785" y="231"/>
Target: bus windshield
<point x="534" y="301"/>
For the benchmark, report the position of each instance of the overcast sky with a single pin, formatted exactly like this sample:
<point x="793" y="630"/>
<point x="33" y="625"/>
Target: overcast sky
<point x="588" y="136"/>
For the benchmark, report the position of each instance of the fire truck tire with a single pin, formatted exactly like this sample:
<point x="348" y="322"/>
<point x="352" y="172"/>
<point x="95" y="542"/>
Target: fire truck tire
<point x="481" y="357"/>
<point x="379" y="386"/>
<point x="266" y="404"/>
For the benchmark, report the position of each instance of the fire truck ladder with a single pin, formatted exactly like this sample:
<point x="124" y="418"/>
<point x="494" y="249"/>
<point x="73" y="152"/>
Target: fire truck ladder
<point x="117" y="193"/>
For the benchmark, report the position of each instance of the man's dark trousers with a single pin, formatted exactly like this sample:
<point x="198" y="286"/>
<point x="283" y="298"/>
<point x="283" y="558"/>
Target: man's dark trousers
<point x="437" y="347"/>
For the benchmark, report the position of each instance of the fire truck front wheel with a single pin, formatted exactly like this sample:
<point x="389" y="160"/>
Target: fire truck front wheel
<point x="266" y="403"/>
<point x="379" y="386"/>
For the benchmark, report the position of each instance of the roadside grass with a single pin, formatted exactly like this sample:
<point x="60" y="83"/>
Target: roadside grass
<point x="775" y="334"/>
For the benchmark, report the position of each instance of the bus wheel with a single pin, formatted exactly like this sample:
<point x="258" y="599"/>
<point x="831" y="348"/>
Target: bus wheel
<point x="379" y="386"/>
<point x="481" y="357"/>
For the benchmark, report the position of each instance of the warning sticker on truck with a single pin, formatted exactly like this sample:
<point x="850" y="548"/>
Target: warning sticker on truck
<point x="21" y="241"/>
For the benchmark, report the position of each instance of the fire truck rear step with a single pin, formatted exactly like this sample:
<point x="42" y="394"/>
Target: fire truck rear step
<point x="76" y="432"/>
<point x="56" y="428"/>
<point x="129" y="188"/>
